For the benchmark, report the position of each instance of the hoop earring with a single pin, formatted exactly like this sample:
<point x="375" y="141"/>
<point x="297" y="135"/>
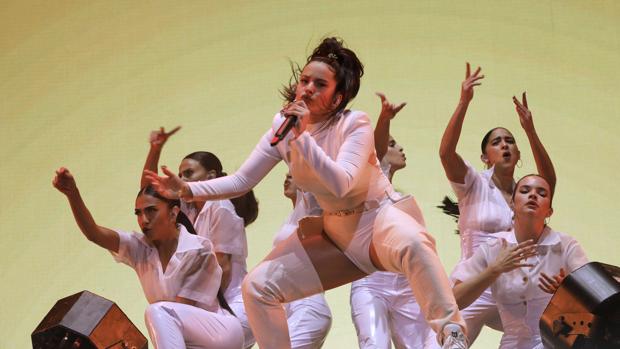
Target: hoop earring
<point x="519" y="163"/>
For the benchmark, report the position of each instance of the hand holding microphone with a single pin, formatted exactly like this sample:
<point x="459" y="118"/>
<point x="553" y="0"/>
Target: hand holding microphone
<point x="296" y="114"/>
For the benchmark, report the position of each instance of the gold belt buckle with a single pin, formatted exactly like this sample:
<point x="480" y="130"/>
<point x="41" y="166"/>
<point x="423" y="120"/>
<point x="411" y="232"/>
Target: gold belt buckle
<point x="346" y="212"/>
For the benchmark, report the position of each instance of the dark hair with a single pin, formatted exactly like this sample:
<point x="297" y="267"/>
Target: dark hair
<point x="181" y="217"/>
<point x="348" y="71"/>
<point x="246" y="206"/>
<point x="485" y="139"/>
<point x="451" y="208"/>
<point x="534" y="175"/>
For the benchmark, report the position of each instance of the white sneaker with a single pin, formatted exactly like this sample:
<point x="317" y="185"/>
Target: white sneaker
<point x="454" y="337"/>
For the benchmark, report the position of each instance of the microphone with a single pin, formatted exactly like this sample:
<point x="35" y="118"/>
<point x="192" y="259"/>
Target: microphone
<point x="286" y="126"/>
<point x="284" y="129"/>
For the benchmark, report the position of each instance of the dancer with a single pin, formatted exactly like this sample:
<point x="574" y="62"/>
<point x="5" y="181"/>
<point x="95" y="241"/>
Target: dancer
<point x="223" y="222"/>
<point x="484" y="198"/>
<point x="383" y="307"/>
<point x="330" y="153"/>
<point x="309" y="319"/>
<point x="178" y="271"/>
<point x="522" y="267"/>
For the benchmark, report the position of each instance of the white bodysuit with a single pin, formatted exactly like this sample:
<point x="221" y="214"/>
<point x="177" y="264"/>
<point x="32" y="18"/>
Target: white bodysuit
<point x="191" y="273"/>
<point x="335" y="162"/>
<point x="309" y="319"/>
<point x="520" y="301"/>
<point x="384" y="310"/>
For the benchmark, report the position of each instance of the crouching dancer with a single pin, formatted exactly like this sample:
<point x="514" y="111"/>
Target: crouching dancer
<point x="178" y="271"/>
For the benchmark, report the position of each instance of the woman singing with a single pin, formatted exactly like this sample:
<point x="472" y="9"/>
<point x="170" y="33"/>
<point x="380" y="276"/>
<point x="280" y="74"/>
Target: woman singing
<point x="330" y="153"/>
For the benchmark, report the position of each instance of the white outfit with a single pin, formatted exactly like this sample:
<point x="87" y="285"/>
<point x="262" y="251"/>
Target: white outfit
<point x="520" y="301"/>
<point x="191" y="273"/>
<point x="338" y="165"/>
<point x="309" y="319"/>
<point x="219" y="222"/>
<point x="483" y="212"/>
<point x="384" y="309"/>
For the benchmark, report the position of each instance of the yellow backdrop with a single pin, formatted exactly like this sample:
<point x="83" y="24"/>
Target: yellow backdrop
<point x="84" y="82"/>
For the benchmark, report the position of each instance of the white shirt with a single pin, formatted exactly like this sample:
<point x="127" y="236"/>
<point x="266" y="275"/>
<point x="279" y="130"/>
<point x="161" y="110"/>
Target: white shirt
<point x="519" y="299"/>
<point x="218" y="222"/>
<point x="191" y="273"/>
<point x="336" y="162"/>
<point x="483" y="209"/>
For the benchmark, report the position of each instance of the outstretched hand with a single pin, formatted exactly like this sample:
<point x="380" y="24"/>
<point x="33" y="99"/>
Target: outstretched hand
<point x="167" y="185"/>
<point x="525" y="115"/>
<point x="551" y="284"/>
<point x="510" y="258"/>
<point x="389" y="110"/>
<point x="159" y="138"/>
<point x="471" y="80"/>
<point x="64" y="181"/>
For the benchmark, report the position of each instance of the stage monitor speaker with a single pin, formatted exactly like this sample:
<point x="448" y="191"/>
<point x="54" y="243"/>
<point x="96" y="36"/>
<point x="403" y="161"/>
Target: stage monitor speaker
<point x="87" y="321"/>
<point x="584" y="312"/>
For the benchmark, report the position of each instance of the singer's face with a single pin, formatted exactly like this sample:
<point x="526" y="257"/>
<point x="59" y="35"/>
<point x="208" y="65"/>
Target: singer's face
<point x="316" y="87"/>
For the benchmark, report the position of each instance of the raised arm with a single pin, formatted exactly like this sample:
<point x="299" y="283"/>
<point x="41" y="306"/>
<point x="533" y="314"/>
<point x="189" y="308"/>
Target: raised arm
<point x="543" y="161"/>
<point x="157" y="140"/>
<point x="382" y="129"/>
<point x="254" y="169"/>
<point x="453" y="164"/>
<point x="479" y="279"/>
<point x="104" y="237"/>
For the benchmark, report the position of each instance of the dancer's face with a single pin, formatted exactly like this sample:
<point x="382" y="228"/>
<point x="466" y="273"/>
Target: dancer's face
<point x="532" y="198"/>
<point x="290" y="188"/>
<point x="501" y="149"/>
<point x="316" y="87"/>
<point x="395" y="155"/>
<point x="190" y="170"/>
<point x="156" y="219"/>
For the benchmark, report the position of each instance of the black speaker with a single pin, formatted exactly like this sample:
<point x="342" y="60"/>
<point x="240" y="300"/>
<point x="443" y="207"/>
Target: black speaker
<point x="87" y="321"/>
<point x="584" y="312"/>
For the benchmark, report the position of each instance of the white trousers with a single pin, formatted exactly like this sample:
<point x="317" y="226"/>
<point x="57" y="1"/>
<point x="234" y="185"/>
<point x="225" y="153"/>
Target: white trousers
<point x="309" y="320"/>
<point x="174" y="325"/>
<point x="237" y="307"/>
<point x="482" y="312"/>
<point x="384" y="310"/>
<point x="402" y="245"/>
